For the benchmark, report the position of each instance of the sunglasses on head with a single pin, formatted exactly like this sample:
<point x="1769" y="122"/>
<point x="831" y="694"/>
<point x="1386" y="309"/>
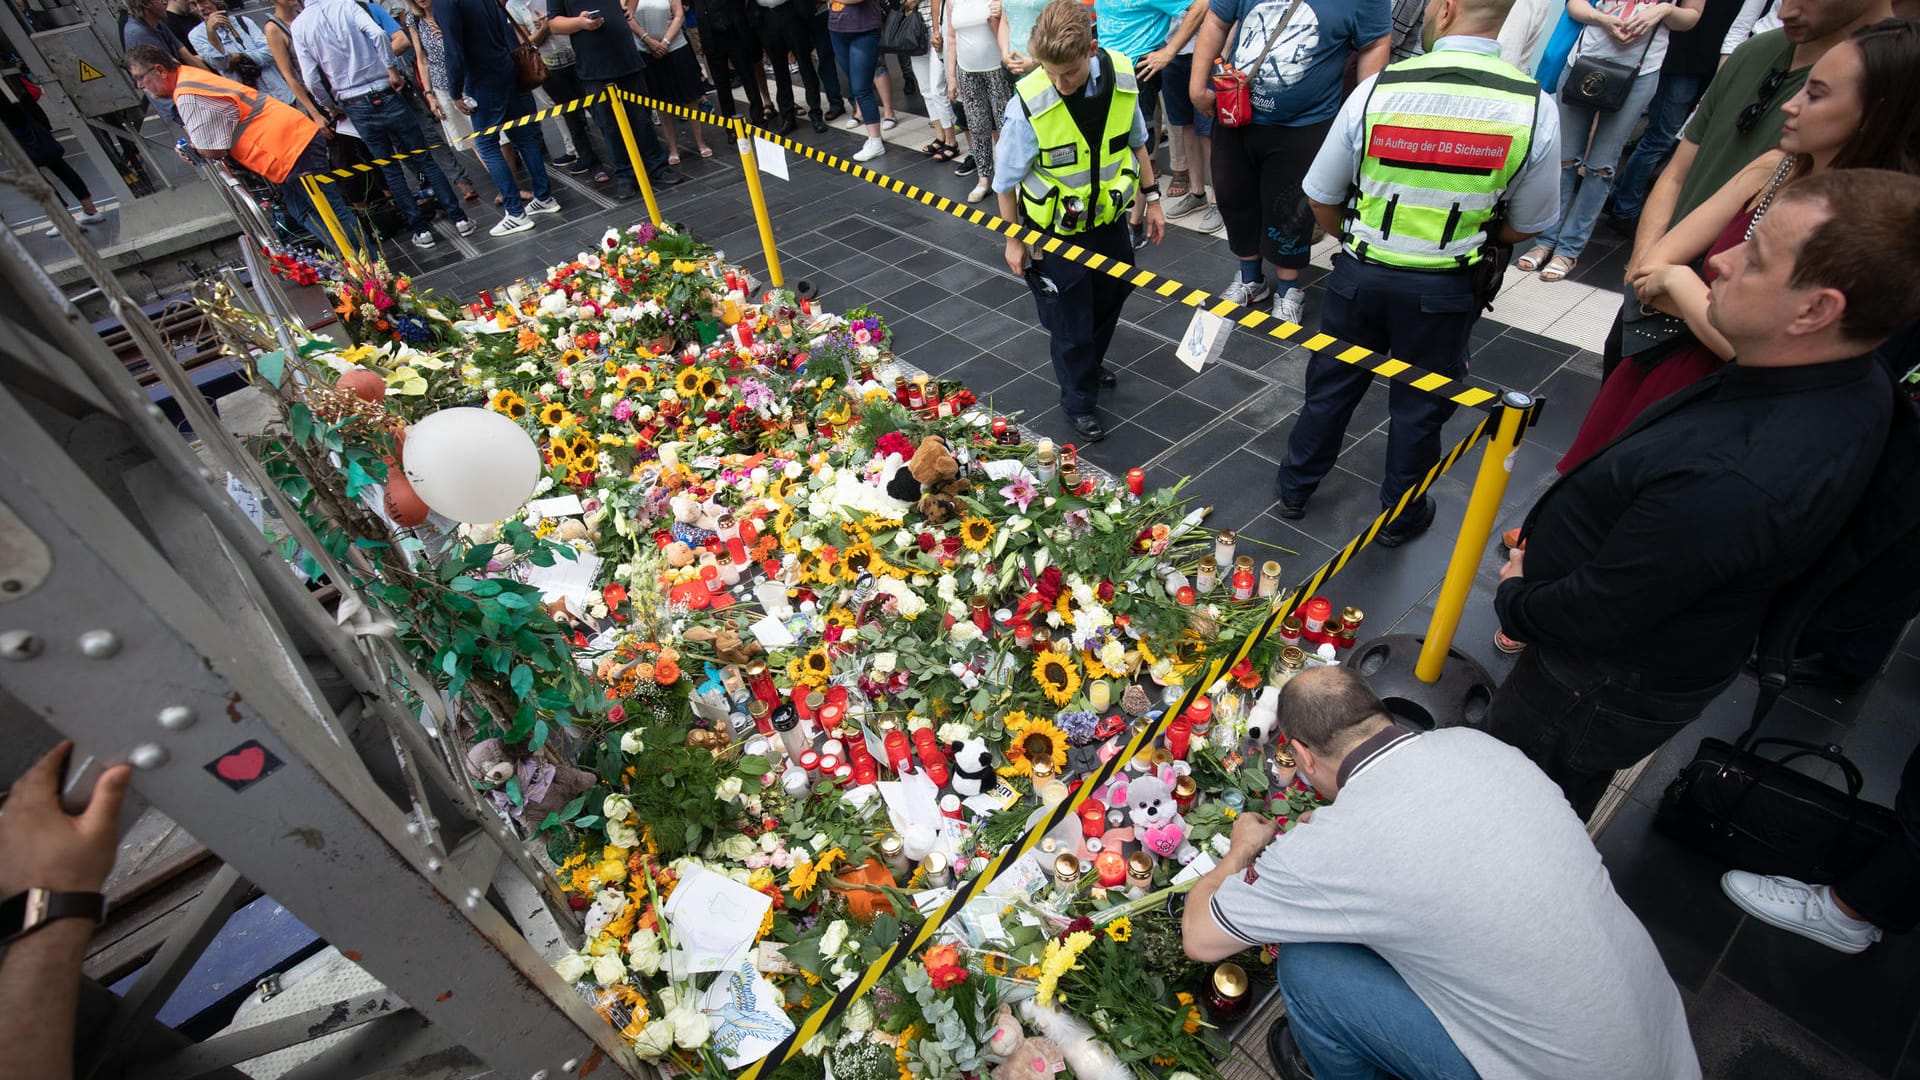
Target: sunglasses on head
<point x="1769" y="86"/>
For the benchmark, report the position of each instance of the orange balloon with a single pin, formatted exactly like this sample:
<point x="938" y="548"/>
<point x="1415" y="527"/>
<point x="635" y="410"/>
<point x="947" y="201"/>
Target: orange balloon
<point x="366" y="385"/>
<point x="403" y="504"/>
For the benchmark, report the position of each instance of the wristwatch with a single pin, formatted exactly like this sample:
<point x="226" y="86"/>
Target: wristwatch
<point x="23" y="913"/>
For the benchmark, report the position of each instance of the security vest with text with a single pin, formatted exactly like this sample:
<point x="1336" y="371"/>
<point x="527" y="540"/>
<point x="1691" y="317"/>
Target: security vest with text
<point x="1443" y="135"/>
<point x="1073" y="187"/>
<point x="270" y="135"/>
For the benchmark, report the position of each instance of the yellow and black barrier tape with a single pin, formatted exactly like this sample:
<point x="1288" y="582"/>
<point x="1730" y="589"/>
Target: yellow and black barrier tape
<point x="535" y="117"/>
<point x="1460" y="391"/>
<point x="1283" y="605"/>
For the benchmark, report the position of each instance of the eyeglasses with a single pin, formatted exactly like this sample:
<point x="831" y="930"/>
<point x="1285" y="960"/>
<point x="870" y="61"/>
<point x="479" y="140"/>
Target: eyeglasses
<point x="1769" y="86"/>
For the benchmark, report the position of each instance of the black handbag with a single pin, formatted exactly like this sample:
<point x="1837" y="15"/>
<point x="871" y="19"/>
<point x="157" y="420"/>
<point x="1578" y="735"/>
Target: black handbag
<point x="1750" y="811"/>
<point x="904" y="32"/>
<point x="1602" y="84"/>
<point x="1647" y="333"/>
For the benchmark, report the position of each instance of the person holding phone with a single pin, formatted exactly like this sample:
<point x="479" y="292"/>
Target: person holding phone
<point x="53" y="862"/>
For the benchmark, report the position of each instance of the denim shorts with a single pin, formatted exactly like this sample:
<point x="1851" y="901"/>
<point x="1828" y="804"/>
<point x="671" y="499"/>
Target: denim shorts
<point x="1173" y="96"/>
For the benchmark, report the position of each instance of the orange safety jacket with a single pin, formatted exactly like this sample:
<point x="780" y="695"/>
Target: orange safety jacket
<point x="270" y="136"/>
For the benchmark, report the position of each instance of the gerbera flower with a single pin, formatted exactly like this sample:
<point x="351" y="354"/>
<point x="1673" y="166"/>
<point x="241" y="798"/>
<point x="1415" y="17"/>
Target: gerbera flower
<point x="553" y="415"/>
<point x="1059" y="678"/>
<point x="508" y="404"/>
<point x="976" y="533"/>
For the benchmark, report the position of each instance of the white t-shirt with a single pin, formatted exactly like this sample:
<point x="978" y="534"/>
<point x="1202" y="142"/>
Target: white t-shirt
<point x="978" y="48"/>
<point x="1498" y="914"/>
<point x="1596" y="41"/>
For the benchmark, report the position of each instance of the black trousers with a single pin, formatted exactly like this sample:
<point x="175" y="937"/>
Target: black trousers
<point x="1886" y="891"/>
<point x="563" y="85"/>
<point x="1422" y="318"/>
<point x="1581" y="720"/>
<point x="789" y="29"/>
<point x="1081" y="313"/>
<point x="638" y="120"/>
<point x="1257" y="172"/>
<point x="734" y="51"/>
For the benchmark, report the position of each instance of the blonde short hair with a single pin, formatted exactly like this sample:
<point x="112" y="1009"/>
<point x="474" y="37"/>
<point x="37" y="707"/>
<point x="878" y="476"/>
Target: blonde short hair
<point x="1062" y="34"/>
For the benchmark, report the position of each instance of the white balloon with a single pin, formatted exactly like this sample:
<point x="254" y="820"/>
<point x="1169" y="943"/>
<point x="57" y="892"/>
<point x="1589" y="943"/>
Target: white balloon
<point x="471" y="464"/>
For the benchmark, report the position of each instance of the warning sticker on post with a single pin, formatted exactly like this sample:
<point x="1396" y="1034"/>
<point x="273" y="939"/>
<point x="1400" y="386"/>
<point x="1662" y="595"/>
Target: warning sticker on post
<point x="88" y="72"/>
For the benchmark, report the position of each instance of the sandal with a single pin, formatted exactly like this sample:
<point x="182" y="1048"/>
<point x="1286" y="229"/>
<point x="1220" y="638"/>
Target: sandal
<point x="933" y="148"/>
<point x="948" y="152"/>
<point x="1180" y="185"/>
<point x="673" y="158"/>
<point x="706" y="151"/>
<point x="602" y="176"/>
<point x="1536" y="256"/>
<point x="1557" y="268"/>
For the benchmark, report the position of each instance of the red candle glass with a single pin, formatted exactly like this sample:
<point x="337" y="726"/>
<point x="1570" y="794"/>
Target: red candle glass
<point x="1136" y="482"/>
<point x="1022" y="633"/>
<point x="1179" y="735"/>
<point x="1186" y="596"/>
<point x="1111" y="866"/>
<point x="899" y="753"/>
<point x="1200" y="713"/>
<point x="1093" y="820"/>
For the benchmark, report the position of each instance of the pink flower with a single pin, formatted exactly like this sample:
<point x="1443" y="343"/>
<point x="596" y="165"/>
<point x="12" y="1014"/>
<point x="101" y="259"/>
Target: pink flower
<point x="617" y="714"/>
<point x="623" y="409"/>
<point x="862" y="336"/>
<point x="1021" y="492"/>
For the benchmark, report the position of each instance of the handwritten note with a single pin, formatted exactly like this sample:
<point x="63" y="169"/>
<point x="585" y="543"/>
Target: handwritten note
<point x="710" y="917"/>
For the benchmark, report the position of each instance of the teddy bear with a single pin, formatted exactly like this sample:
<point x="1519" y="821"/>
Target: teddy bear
<point x="933" y="480"/>
<point x="1156" y="817"/>
<point x="1033" y="1059"/>
<point x="728" y="646"/>
<point x="545" y="787"/>
<point x="972" y="766"/>
<point x="1005" y="1035"/>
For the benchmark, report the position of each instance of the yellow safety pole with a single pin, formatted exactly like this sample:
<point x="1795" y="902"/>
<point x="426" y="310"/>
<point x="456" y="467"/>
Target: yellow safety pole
<point x="1483" y="507"/>
<point x="750" y="162"/>
<point x="633" y="153"/>
<point x="324" y="206"/>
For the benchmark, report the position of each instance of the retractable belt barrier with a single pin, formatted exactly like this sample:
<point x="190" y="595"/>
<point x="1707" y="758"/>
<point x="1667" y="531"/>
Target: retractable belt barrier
<point x="538" y="116"/>
<point x="1457" y="390"/>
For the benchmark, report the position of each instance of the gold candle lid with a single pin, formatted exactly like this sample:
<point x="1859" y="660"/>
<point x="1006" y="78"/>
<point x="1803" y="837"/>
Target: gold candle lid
<point x="756" y="708"/>
<point x="815" y="700"/>
<point x="1224" y="536"/>
<point x="756" y="669"/>
<point x="892" y="847"/>
<point x="1293" y="656"/>
<point x="1066" y="868"/>
<point x="1243" y="562"/>
<point x="1140" y="865"/>
<point x="1283" y="759"/>
<point x="1204" y="568"/>
<point x="1042" y="768"/>
<point x="1351" y="615"/>
<point x="1291" y="625"/>
<point x="1185" y="788"/>
<point x="1271" y="568"/>
<point x="1162" y="757"/>
<point x="1230" y="980"/>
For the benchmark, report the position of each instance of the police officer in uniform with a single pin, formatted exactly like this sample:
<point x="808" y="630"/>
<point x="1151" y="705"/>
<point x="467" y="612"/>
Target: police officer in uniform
<point x="1071" y="158"/>
<point x="1423" y="161"/>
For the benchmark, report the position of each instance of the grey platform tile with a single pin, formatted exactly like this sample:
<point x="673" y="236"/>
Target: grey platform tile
<point x="1740" y="1037"/>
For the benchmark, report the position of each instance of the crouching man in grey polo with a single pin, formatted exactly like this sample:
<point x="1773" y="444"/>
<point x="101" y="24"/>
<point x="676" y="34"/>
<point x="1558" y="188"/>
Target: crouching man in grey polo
<point x="1424" y="937"/>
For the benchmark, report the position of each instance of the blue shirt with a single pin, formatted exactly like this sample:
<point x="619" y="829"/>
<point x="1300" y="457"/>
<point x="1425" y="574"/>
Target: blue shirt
<point x="1018" y="147"/>
<point x="1134" y="28"/>
<point x="341" y="46"/>
<point x="1533" y="198"/>
<point x="1301" y="80"/>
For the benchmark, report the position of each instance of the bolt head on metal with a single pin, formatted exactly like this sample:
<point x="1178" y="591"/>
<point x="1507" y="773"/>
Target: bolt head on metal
<point x="176" y="718"/>
<point x="433" y="866"/>
<point x="413" y="828"/>
<point x="99" y="644"/>
<point x="20" y="645"/>
<point x="570" y="1064"/>
<point x="541" y="1075"/>
<point x="148" y="756"/>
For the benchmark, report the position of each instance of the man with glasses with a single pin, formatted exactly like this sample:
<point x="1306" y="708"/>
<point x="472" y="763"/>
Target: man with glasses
<point x="1416" y="948"/>
<point x="1739" y="117"/>
<point x="227" y="120"/>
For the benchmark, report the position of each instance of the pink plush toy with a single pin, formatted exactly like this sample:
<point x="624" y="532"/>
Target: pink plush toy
<point x="1157" y="823"/>
<point x="1033" y="1059"/>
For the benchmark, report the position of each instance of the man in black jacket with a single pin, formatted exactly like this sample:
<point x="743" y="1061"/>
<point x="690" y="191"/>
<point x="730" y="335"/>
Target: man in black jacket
<point x="1652" y="563"/>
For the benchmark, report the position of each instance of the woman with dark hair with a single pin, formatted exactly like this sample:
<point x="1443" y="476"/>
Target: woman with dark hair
<point x="1859" y="109"/>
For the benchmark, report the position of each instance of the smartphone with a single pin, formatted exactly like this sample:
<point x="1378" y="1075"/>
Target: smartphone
<point x="1041" y="283"/>
<point x="76" y="790"/>
<point x="594" y="14"/>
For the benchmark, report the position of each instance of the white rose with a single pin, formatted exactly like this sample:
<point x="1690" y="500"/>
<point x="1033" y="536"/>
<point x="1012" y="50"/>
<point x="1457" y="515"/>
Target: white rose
<point x="741" y="874"/>
<point x="964" y="631"/>
<point x="819" y="841"/>
<point x="608" y="969"/>
<point x="835" y="937"/>
<point x="689" y="1026"/>
<point x="883" y="663"/>
<point x="644" y="952"/>
<point x="574" y="966"/>
<point x="737" y="847"/>
<point x="630" y="743"/>
<point x="769" y="842"/>
<point x="616" y="807"/>
<point x="621" y="834"/>
<point x="953" y="732"/>
<point x="655" y="1039"/>
<point x="1221" y="843"/>
<point x="727" y="790"/>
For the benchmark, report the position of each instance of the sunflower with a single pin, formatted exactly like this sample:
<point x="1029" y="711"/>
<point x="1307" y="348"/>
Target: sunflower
<point x="994" y="964"/>
<point x="553" y="415"/>
<point x="840" y="617"/>
<point x="508" y="404"/>
<point x="585" y="445"/>
<point x="1059" y="678"/>
<point x="1064" y="608"/>
<point x="783" y="520"/>
<point x="687" y="383"/>
<point x="1032" y="738"/>
<point x="636" y="377"/>
<point x="859" y="559"/>
<point x="781" y="487"/>
<point x="1120" y="929"/>
<point x="710" y="387"/>
<point x="561" y="451"/>
<point x="572" y="356"/>
<point x="587" y="462"/>
<point x="975" y="533"/>
<point x="814" y="668"/>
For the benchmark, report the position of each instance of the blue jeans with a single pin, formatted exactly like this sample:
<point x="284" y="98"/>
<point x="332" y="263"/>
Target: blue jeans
<point x="1586" y="179"/>
<point x="651" y="154"/>
<point x="1672" y="104"/>
<point x="1355" y="1018"/>
<point x="293" y="195"/>
<point x="491" y="105"/>
<point x="387" y="126"/>
<point x="829" y="76"/>
<point x="860" y="55"/>
<point x="1424" y="318"/>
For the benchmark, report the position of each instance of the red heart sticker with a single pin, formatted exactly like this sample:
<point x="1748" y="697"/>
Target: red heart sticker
<point x="244" y="766"/>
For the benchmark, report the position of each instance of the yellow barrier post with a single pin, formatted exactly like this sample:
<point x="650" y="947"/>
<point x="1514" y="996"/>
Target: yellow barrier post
<point x="750" y="162"/>
<point x="324" y="206"/>
<point x="633" y="153"/>
<point x="1483" y="507"/>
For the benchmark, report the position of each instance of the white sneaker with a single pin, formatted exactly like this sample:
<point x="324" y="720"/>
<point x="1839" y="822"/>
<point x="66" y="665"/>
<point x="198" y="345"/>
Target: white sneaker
<point x="423" y="239"/>
<point x="1210" y="219"/>
<point x="1246" y="293"/>
<point x="1793" y="906"/>
<point x="979" y="192"/>
<point x="53" y="229"/>
<point x="510" y="224"/>
<point x="94" y="218"/>
<point x="543" y="206"/>
<point x="1191" y="202"/>
<point x="1291" y="306"/>
<point x="464" y="226"/>
<point x="873" y="149"/>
